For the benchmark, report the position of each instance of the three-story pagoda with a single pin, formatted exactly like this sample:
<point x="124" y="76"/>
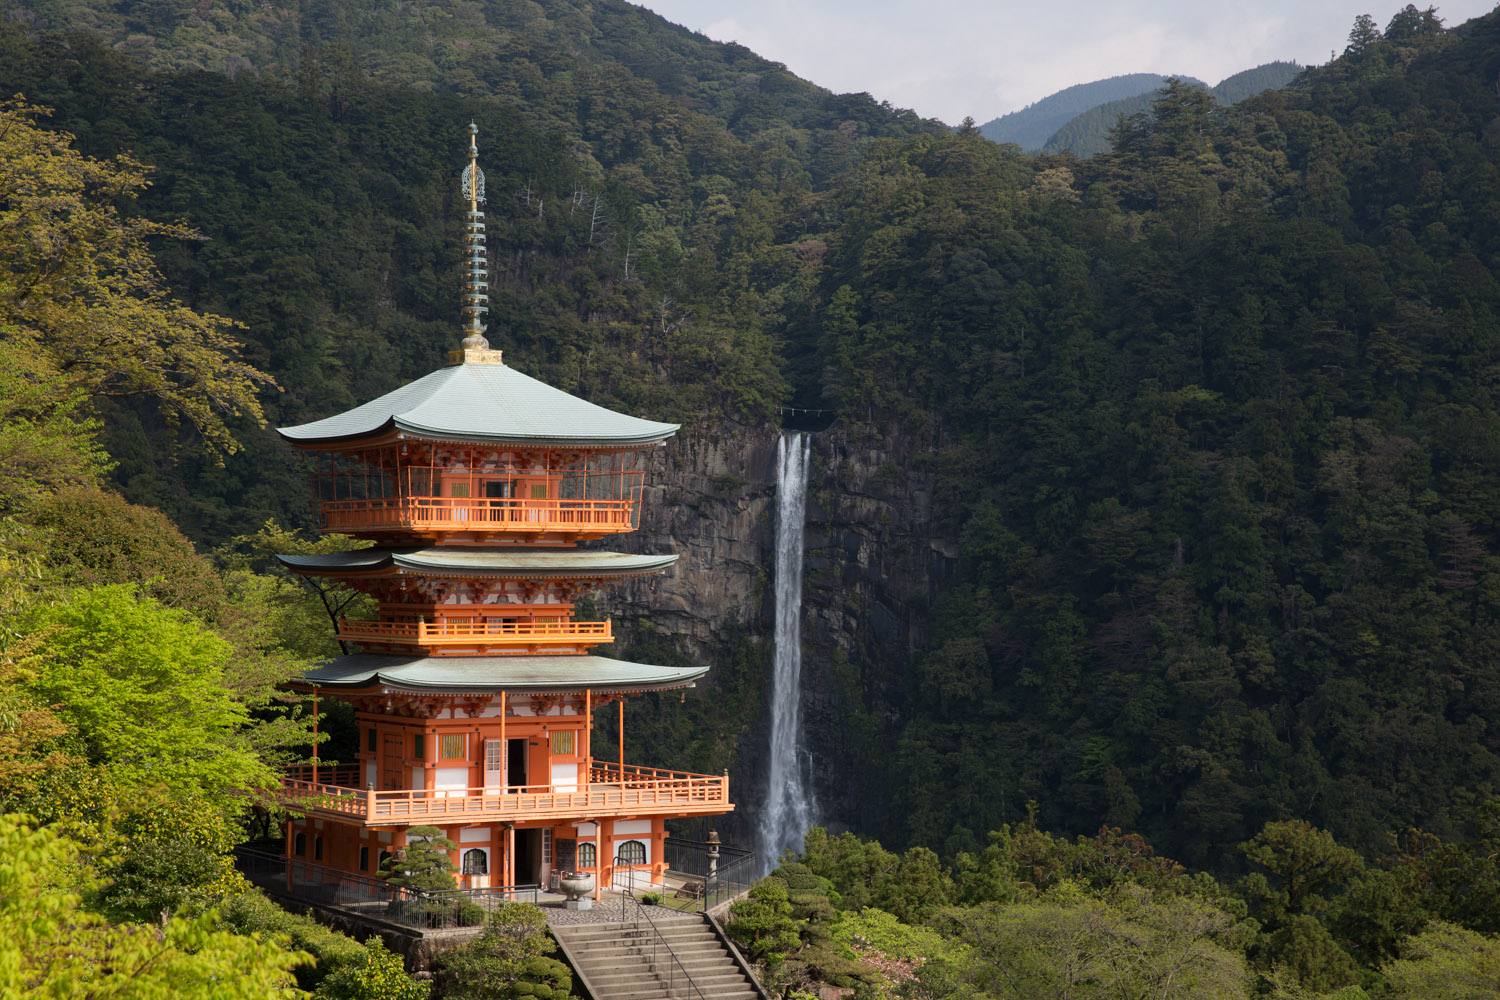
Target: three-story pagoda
<point x="476" y="688"/>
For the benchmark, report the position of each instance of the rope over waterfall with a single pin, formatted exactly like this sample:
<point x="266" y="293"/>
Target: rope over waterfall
<point x="789" y="805"/>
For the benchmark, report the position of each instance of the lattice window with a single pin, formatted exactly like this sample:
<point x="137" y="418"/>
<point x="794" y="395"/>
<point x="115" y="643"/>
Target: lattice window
<point x="546" y="846"/>
<point x="586" y="855"/>
<point x="632" y="852"/>
<point x="453" y="746"/>
<point x="419" y="746"/>
<point x="563" y="743"/>
<point x="476" y="862"/>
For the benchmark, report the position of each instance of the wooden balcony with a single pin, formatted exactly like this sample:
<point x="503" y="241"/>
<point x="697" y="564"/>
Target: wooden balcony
<point x="520" y="637"/>
<point x="443" y="515"/>
<point x="611" y="791"/>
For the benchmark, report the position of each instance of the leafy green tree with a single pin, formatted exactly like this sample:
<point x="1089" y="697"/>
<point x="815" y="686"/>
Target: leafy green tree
<point x="1181" y="948"/>
<point x="79" y="286"/>
<point x="508" y="960"/>
<point x="46" y="439"/>
<point x="143" y="691"/>
<point x="56" y="950"/>
<point x="1446" y="963"/>
<point x="762" y="923"/>
<point x="381" y="977"/>
<point x="1363" y="36"/>
<point x="1306" y="862"/>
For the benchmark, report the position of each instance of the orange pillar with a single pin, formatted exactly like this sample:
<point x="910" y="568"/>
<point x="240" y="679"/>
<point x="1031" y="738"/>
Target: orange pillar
<point x="622" y="739"/>
<point x="598" y="856"/>
<point x="587" y="751"/>
<point x="510" y="854"/>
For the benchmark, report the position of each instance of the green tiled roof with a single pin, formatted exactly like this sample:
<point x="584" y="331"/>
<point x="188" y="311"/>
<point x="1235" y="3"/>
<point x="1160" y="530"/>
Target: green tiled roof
<point x="513" y="674"/>
<point x="496" y="562"/>
<point x="483" y="403"/>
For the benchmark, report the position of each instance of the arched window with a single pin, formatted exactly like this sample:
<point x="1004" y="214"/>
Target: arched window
<point x="317" y="848"/>
<point x="384" y="857"/>
<point x="299" y="845"/>
<point x="476" y="862"/>
<point x="632" y="852"/>
<point x="364" y="859"/>
<point x="586" y="856"/>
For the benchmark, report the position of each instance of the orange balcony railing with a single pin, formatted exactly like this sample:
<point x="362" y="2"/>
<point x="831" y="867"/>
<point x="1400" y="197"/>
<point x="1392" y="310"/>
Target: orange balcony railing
<point x="592" y="517"/>
<point x="442" y="633"/>
<point x="610" y="791"/>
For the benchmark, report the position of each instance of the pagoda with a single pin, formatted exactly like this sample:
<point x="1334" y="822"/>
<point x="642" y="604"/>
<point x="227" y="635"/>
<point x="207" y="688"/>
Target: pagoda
<point x="476" y="689"/>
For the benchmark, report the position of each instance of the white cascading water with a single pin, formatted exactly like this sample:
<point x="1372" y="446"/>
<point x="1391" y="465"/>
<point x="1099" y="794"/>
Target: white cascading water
<point x="789" y="805"/>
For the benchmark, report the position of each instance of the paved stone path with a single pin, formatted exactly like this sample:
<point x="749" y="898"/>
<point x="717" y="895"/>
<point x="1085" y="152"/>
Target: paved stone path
<point x="607" y="911"/>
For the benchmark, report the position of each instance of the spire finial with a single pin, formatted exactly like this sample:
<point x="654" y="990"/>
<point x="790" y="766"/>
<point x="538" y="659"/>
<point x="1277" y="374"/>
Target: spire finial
<point x="476" y="266"/>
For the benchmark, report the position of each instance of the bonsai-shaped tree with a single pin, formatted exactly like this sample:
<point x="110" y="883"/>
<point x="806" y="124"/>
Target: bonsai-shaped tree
<point x="508" y="961"/>
<point x="423" y="863"/>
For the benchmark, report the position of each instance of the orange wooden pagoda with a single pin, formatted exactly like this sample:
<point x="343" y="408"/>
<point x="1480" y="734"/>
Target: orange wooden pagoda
<point x="476" y="689"/>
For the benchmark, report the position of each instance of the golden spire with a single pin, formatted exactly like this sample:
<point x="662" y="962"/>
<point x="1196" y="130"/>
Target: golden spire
<point x="476" y="267"/>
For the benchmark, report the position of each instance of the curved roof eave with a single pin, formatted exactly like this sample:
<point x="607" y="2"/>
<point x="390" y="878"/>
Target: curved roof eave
<point x="489" y="562"/>
<point x="486" y="404"/>
<point x="457" y="675"/>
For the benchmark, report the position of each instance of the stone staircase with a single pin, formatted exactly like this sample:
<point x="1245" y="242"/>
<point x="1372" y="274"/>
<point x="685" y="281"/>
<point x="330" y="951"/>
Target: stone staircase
<point x="617" y="961"/>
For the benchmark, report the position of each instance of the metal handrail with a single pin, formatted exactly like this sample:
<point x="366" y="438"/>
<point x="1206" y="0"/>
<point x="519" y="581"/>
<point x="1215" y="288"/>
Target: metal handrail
<point x="356" y="893"/>
<point x="658" y="940"/>
<point x="727" y="876"/>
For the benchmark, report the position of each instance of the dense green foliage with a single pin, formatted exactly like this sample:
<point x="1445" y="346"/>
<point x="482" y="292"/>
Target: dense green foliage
<point x="1214" y="412"/>
<point x="1038" y="915"/>
<point x="509" y="960"/>
<point x="1088" y="134"/>
<point x="140" y="718"/>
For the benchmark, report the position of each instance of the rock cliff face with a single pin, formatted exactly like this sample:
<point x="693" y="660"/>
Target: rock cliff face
<point x="875" y="557"/>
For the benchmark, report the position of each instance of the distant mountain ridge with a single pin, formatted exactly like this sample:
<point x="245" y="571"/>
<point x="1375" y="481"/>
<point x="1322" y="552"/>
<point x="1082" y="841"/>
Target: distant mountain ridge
<point x="1033" y="125"/>
<point x="1087" y="134"/>
<point x="1078" y="118"/>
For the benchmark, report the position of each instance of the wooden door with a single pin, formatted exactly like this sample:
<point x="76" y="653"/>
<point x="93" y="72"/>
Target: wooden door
<point x="392" y="771"/>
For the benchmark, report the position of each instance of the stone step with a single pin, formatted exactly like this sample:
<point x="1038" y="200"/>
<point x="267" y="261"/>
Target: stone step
<point x="682" y="950"/>
<point x="651" y="979"/>
<point x="621" y="961"/>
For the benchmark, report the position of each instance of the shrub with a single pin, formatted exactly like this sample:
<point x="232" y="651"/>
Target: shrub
<point x="252" y="913"/>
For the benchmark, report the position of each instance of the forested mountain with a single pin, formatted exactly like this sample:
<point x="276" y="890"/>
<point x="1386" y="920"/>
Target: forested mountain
<point x="1088" y="133"/>
<point x="544" y="56"/>
<point x="1034" y="124"/>
<point x="1209" y="418"/>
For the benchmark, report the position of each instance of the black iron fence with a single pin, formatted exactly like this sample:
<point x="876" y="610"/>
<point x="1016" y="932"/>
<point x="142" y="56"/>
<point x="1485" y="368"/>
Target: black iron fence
<point x="721" y="872"/>
<point x="361" y="894"/>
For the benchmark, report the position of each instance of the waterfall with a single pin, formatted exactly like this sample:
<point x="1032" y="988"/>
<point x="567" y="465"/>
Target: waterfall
<point x="788" y="810"/>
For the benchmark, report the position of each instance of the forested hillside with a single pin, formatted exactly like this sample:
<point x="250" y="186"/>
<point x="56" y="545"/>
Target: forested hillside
<point x="1089" y="133"/>
<point x="1210" y="418"/>
<point x="1216" y="412"/>
<point x="1031" y="127"/>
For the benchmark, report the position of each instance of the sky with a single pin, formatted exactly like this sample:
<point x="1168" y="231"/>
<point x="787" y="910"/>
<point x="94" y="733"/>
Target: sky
<point x="951" y="58"/>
